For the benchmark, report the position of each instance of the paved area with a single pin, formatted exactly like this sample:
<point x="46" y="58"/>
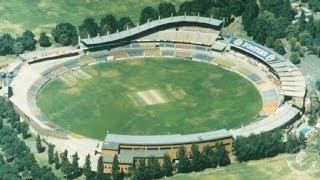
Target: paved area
<point x="310" y="68"/>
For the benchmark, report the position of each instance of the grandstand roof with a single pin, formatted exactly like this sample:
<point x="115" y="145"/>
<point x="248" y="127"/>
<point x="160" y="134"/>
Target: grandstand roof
<point x="282" y="116"/>
<point x="165" y="139"/>
<point x="150" y="25"/>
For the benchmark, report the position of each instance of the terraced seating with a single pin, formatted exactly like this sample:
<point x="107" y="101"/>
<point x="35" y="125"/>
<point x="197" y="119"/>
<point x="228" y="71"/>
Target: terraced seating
<point x="71" y="65"/>
<point x="224" y="62"/>
<point x="204" y="57"/>
<point x="119" y="54"/>
<point x="185" y="46"/>
<point x="152" y="52"/>
<point x="87" y="61"/>
<point x="167" y="52"/>
<point x="135" y="52"/>
<point x="148" y="45"/>
<point x="254" y="77"/>
<point x="184" y="53"/>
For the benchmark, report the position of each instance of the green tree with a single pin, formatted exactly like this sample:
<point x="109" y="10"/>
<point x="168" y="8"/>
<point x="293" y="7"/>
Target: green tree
<point x="17" y="48"/>
<point x="153" y="169"/>
<point x="51" y="153"/>
<point x="165" y="9"/>
<point x="65" y="34"/>
<point x="44" y="40"/>
<point x="115" y="172"/>
<point x="56" y="160"/>
<point x="196" y="160"/>
<point x="292" y="145"/>
<point x="140" y="170"/>
<point x="167" y="167"/>
<point x="75" y="169"/>
<point x="318" y="85"/>
<point x="27" y="40"/>
<point x="124" y="23"/>
<point x="294" y="58"/>
<point x="222" y="155"/>
<point x="208" y="158"/>
<point x="89" y="28"/>
<point x="39" y="145"/>
<point x="184" y="165"/>
<point x="24" y="127"/>
<point x="87" y="168"/>
<point x="100" y="167"/>
<point x="108" y="24"/>
<point x="6" y="44"/>
<point x="148" y="13"/>
<point x="305" y="38"/>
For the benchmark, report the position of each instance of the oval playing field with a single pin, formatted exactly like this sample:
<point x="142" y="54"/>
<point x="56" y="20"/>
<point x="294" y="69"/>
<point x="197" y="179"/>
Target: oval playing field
<point x="149" y="96"/>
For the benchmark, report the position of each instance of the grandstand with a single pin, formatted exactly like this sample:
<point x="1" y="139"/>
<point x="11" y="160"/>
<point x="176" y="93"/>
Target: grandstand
<point x="281" y="84"/>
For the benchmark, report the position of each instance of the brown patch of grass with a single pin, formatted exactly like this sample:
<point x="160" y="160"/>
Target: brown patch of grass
<point x="73" y="90"/>
<point x="110" y="73"/>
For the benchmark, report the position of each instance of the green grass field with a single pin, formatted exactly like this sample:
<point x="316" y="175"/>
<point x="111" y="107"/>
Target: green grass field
<point x="266" y="169"/>
<point x="39" y="15"/>
<point x="100" y="98"/>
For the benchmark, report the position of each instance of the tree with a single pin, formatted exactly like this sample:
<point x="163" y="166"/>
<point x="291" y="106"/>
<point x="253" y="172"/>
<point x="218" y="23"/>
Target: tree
<point x="75" y="170"/>
<point x="56" y="160"/>
<point x="39" y="146"/>
<point x="108" y="24"/>
<point x="222" y="155"/>
<point x="208" y="158"/>
<point x="318" y="85"/>
<point x="100" y="173"/>
<point x="65" y="34"/>
<point x="89" y="28"/>
<point x="50" y="153"/>
<point x="294" y="58"/>
<point x="140" y="170"/>
<point x="1" y="123"/>
<point x="115" y="172"/>
<point x="305" y="38"/>
<point x="167" y="167"/>
<point x="124" y="23"/>
<point x="166" y="9"/>
<point x="17" y="48"/>
<point x="196" y="161"/>
<point x="6" y="44"/>
<point x="184" y="164"/>
<point x="148" y="13"/>
<point x="153" y="169"/>
<point x="87" y="167"/>
<point x="279" y="47"/>
<point x="27" y="40"/>
<point x="292" y="145"/>
<point x="44" y="40"/>
<point x="24" y="127"/>
<point x="302" y="141"/>
<point x="249" y="15"/>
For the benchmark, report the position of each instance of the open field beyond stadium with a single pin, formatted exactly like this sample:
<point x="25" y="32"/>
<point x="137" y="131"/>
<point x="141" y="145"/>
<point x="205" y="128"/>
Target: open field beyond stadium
<point x="43" y="15"/>
<point x="186" y="97"/>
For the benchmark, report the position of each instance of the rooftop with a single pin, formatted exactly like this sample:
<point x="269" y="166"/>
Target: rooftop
<point x="150" y="25"/>
<point x="164" y="139"/>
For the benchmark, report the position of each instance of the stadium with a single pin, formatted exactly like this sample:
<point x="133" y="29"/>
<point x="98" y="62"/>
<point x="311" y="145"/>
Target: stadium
<point x="275" y="87"/>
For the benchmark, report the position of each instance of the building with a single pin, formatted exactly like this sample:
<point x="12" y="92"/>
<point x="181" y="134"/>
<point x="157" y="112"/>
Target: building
<point x="131" y="148"/>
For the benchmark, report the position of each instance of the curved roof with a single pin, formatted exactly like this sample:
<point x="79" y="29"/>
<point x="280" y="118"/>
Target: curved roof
<point x="165" y="139"/>
<point x="150" y="25"/>
<point x="285" y="70"/>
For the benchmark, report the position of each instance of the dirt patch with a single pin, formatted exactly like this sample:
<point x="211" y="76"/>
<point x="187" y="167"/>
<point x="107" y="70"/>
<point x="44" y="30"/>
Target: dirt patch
<point x="135" y="62"/>
<point x="73" y="90"/>
<point x="111" y="73"/>
<point x="215" y="76"/>
<point x="152" y="97"/>
<point x="215" y="90"/>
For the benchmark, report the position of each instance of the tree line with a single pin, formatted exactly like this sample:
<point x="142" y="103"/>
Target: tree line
<point x="16" y="160"/>
<point x="195" y="160"/>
